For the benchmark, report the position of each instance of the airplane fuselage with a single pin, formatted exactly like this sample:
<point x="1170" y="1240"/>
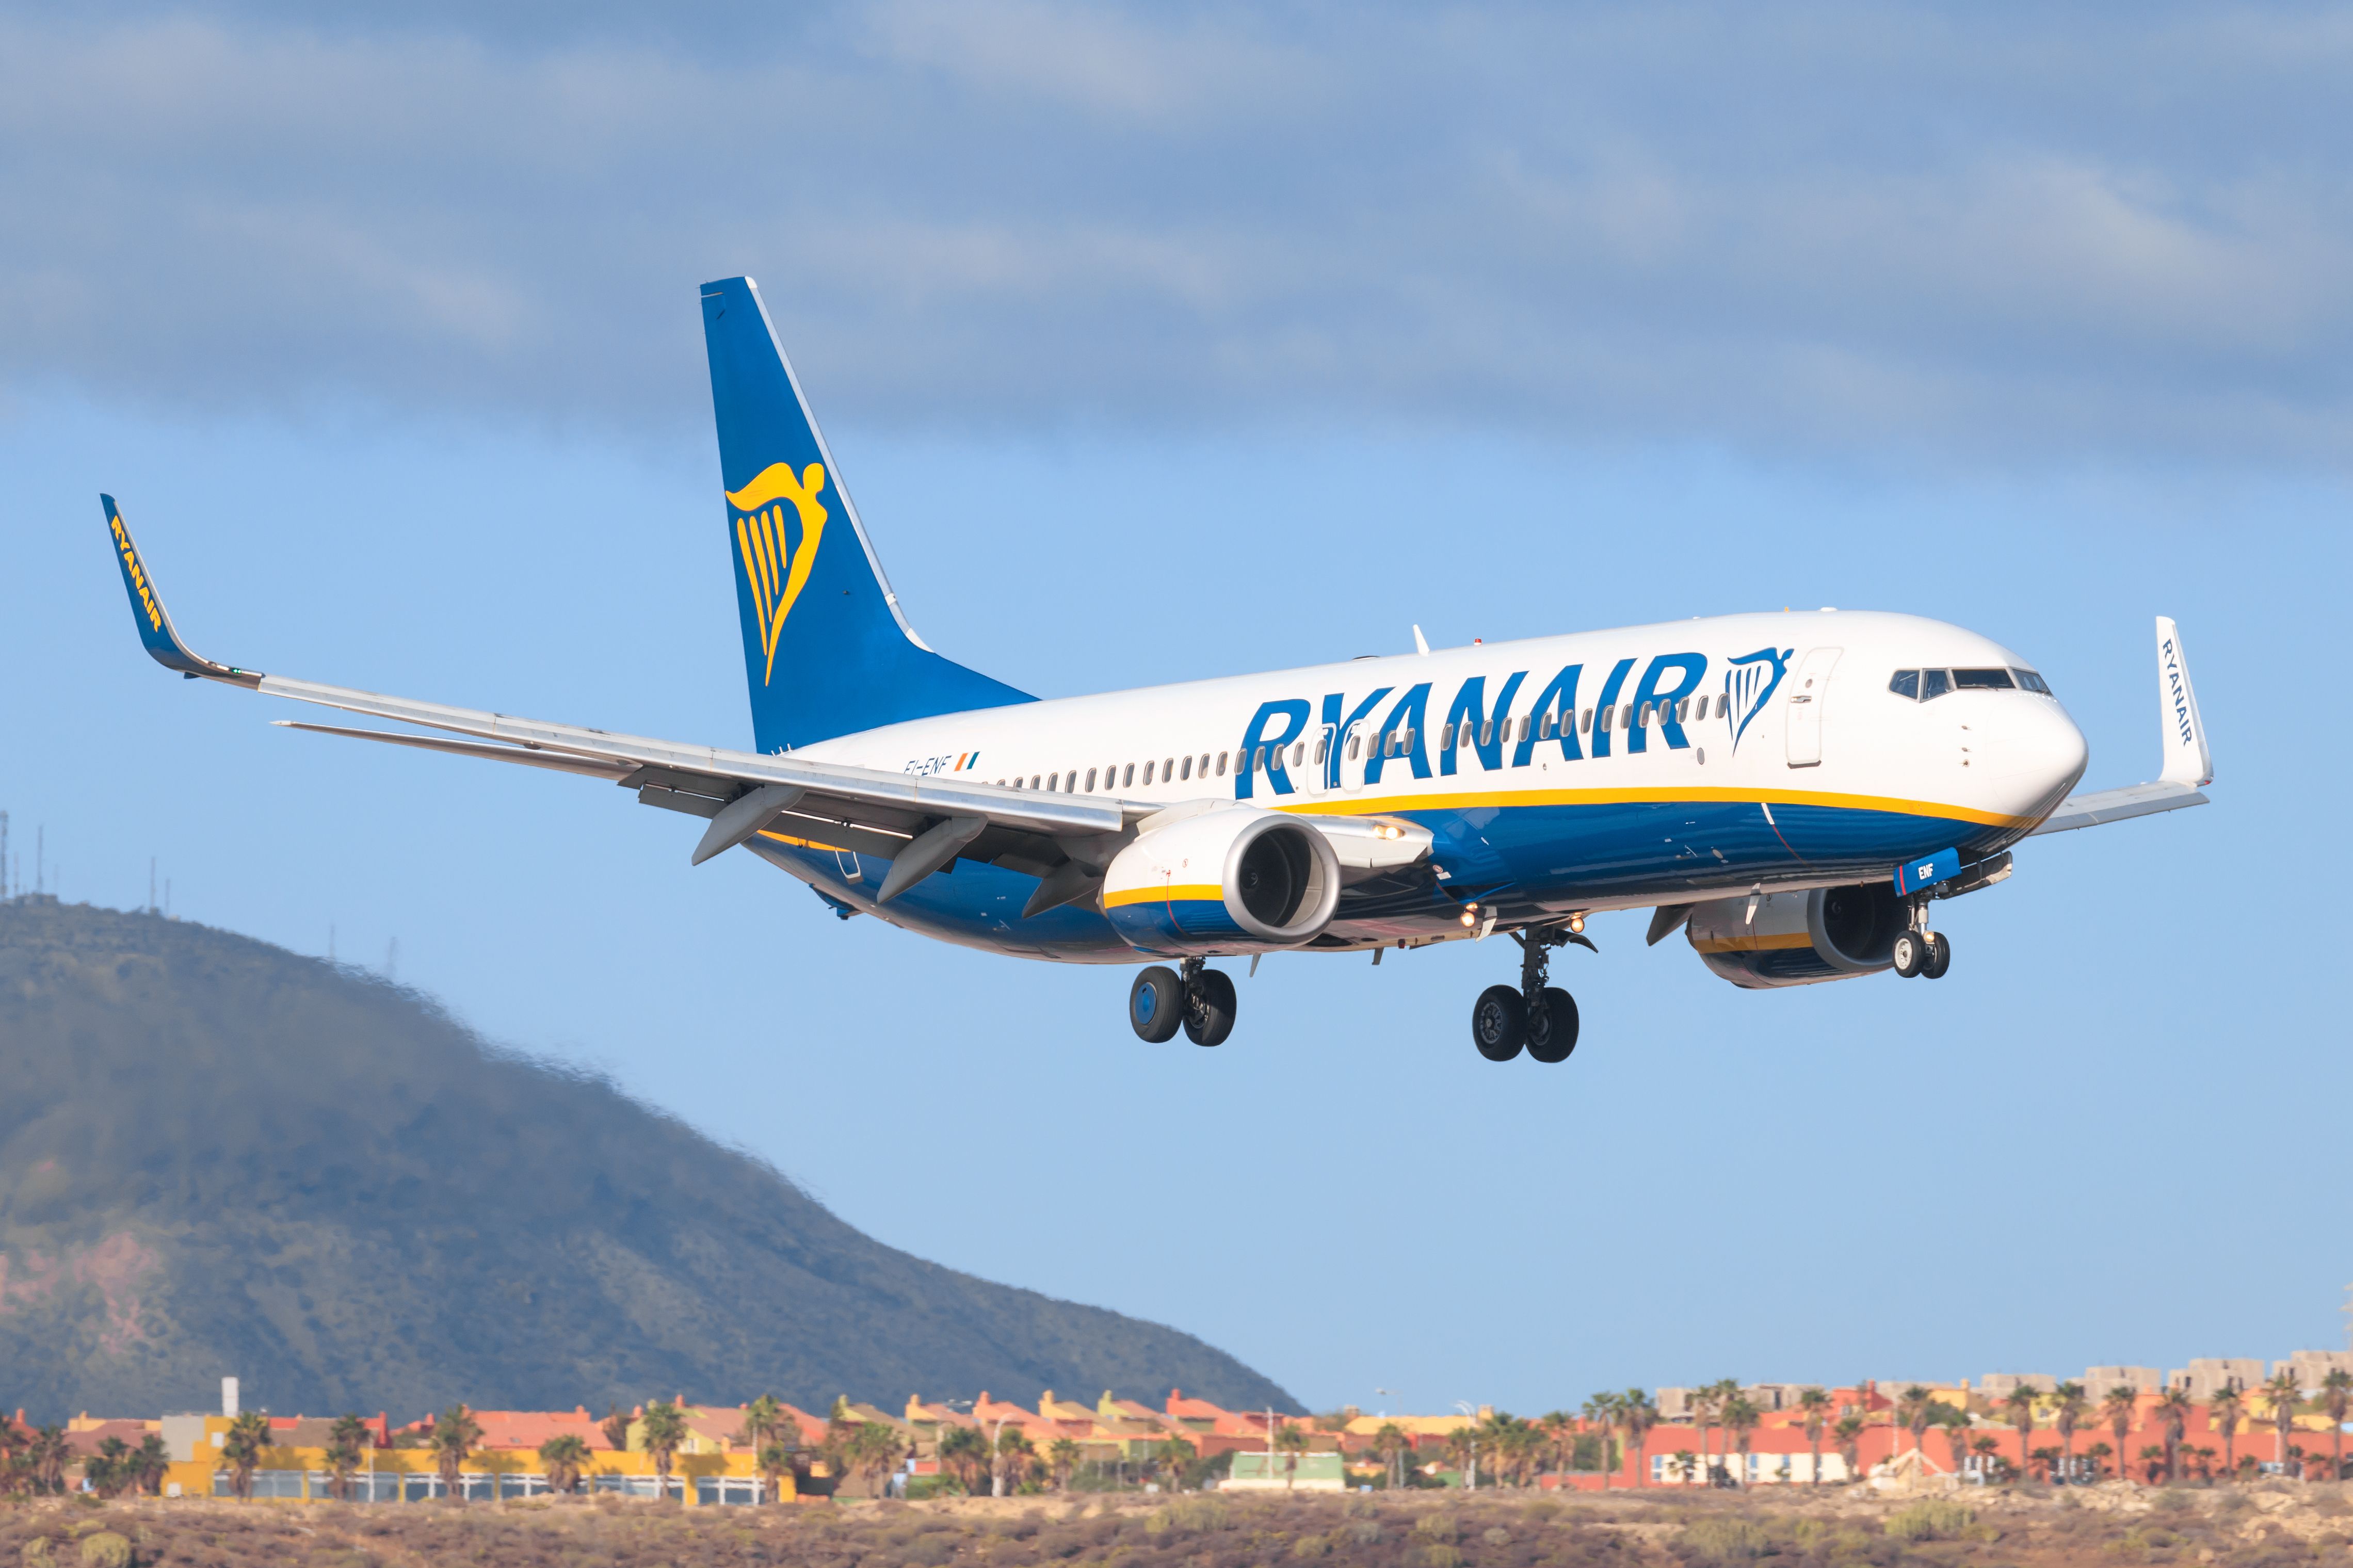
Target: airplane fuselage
<point x="1613" y="769"/>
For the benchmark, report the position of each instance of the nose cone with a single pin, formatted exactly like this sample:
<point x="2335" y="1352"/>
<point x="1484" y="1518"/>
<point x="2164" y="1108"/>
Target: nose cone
<point x="2033" y="752"/>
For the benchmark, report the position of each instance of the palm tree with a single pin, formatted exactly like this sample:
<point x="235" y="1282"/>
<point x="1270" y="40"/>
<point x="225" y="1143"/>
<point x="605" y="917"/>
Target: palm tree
<point x="344" y="1441"/>
<point x="1289" y="1442"/>
<point x="1392" y="1445"/>
<point x="665" y="1430"/>
<point x="455" y="1433"/>
<point x="1558" y="1430"/>
<point x="562" y="1458"/>
<point x="2172" y="1413"/>
<point x="1600" y="1411"/>
<point x="762" y="1418"/>
<point x="1707" y="1408"/>
<point x="241" y="1446"/>
<point x="1637" y="1414"/>
<point x="1009" y="1463"/>
<point x="2068" y="1403"/>
<point x="151" y="1463"/>
<point x="615" y="1427"/>
<point x="1815" y="1405"/>
<point x="1740" y="1419"/>
<point x="1172" y="1458"/>
<point x="1063" y="1454"/>
<point x="965" y="1452"/>
<point x="2284" y="1396"/>
<point x="2097" y="1453"/>
<point x="2223" y="1412"/>
<point x="1849" y="1433"/>
<point x="776" y="1461"/>
<point x="1462" y="1447"/>
<point x="2019" y="1401"/>
<point x="1955" y="1423"/>
<point x="2152" y="1462"/>
<point x="1913" y="1411"/>
<point x="2120" y="1407"/>
<point x="2336" y="1399"/>
<point x="108" y="1471"/>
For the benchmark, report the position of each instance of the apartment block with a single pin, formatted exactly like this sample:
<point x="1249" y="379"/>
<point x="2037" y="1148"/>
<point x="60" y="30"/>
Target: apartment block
<point x="1996" y="1387"/>
<point x="2098" y="1380"/>
<point x="2207" y="1376"/>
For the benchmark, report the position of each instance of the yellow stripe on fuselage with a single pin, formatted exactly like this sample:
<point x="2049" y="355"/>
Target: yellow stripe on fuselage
<point x="1207" y="893"/>
<point x="1374" y="805"/>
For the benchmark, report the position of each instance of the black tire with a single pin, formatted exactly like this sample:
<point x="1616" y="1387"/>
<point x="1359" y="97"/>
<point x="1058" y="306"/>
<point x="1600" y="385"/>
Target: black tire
<point x="1553" y="1037"/>
<point x="1939" y="958"/>
<point x="1909" y="953"/>
<point x="1499" y="1023"/>
<point x="1209" y="1011"/>
<point x="1155" y="1004"/>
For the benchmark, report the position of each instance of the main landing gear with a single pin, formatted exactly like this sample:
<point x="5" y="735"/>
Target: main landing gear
<point x="1537" y="1017"/>
<point x="1201" y="1001"/>
<point x="1918" y="949"/>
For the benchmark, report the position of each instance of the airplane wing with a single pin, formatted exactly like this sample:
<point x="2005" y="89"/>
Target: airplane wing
<point x="741" y="793"/>
<point x="2189" y="764"/>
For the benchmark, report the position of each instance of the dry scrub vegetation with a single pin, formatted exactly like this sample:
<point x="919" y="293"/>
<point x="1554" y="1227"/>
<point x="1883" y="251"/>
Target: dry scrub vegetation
<point x="2238" y="1527"/>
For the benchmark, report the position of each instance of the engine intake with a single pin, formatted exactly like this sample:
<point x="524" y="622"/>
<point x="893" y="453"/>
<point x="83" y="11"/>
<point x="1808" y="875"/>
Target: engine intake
<point x="1800" y="939"/>
<point x="1238" y="879"/>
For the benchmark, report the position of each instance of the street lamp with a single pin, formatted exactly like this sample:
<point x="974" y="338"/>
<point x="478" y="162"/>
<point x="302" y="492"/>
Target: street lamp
<point x="1471" y="1475"/>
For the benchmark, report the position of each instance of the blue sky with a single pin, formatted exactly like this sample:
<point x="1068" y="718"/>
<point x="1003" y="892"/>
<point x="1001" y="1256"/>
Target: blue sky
<point x="1161" y="344"/>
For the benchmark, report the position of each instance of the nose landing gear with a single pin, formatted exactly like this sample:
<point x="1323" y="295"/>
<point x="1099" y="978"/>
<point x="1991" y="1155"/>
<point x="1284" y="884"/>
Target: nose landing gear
<point x="1201" y="1001"/>
<point x="1918" y="949"/>
<point x="1539" y="1018"/>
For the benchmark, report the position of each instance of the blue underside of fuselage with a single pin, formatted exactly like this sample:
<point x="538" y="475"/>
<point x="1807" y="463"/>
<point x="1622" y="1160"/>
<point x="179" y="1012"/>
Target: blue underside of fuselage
<point x="1522" y="860"/>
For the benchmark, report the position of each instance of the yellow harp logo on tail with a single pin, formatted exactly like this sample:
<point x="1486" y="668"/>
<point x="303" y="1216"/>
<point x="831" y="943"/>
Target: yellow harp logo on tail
<point x="777" y="569"/>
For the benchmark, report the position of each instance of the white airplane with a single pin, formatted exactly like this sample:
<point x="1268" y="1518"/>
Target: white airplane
<point x="1794" y="792"/>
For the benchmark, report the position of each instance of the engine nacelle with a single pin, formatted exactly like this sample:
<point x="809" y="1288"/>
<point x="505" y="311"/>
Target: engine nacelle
<point x="1234" y="880"/>
<point x="1800" y="939"/>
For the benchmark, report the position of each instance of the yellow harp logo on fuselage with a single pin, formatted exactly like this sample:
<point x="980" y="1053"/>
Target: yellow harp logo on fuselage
<point x="777" y="569"/>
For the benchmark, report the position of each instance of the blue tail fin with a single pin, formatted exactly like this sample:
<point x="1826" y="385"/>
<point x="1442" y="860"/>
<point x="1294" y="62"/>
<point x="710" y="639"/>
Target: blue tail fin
<point x="824" y="644"/>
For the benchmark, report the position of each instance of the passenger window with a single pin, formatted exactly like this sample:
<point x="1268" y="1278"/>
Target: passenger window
<point x="1033" y="780"/>
<point x="1167" y="771"/>
<point x="1322" y="742"/>
<point x="1487" y="733"/>
<point x="1299" y="754"/>
<point x="1608" y="716"/>
<point x="1584" y="720"/>
<point x="1052" y="783"/>
<point x="1907" y="684"/>
<point x="1544" y="727"/>
<point x="1090" y="781"/>
<point x="1723" y="704"/>
<point x="1625" y="716"/>
<point x="1130" y="777"/>
<point x="1188" y="769"/>
<point x="1071" y="782"/>
<point x="1983" y="681"/>
<point x="1353" y="740"/>
<point x="1934" y="683"/>
<point x="1222" y="764"/>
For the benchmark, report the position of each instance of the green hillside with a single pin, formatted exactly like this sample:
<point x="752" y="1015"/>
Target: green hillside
<point x="219" y="1157"/>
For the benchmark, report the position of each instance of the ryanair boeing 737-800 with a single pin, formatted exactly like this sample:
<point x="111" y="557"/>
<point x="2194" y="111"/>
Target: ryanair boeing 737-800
<point x="1793" y="792"/>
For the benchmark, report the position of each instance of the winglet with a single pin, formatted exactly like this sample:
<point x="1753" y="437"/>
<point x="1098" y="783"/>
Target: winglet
<point x="2187" y="759"/>
<point x="154" y="622"/>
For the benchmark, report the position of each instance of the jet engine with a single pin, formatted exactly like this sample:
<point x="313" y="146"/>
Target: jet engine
<point x="1798" y="939"/>
<point x="1235" y="880"/>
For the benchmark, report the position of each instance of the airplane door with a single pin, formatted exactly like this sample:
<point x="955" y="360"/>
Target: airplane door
<point x="1806" y="689"/>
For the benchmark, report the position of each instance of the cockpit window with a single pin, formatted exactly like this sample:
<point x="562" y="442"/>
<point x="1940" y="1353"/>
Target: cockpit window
<point x="1924" y="685"/>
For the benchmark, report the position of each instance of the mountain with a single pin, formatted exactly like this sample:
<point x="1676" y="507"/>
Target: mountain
<point x="219" y="1157"/>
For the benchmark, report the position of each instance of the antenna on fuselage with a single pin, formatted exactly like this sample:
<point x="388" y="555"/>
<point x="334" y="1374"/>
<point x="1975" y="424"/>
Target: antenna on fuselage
<point x="1421" y="643"/>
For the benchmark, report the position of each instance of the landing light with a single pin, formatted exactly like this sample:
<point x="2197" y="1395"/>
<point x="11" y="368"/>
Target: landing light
<point x="1577" y="925"/>
<point x="1470" y="914"/>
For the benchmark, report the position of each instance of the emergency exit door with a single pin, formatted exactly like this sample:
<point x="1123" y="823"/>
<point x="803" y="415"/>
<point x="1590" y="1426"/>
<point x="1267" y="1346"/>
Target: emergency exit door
<point x="1806" y="689"/>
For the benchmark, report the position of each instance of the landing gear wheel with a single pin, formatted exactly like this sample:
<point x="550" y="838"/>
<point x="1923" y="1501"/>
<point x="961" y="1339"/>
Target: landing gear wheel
<point x="1499" y="1023"/>
<point x="1552" y="1034"/>
<point x="1910" y="954"/>
<point x="1939" y="958"/>
<point x="1155" y="1004"/>
<point x="1210" y="1009"/>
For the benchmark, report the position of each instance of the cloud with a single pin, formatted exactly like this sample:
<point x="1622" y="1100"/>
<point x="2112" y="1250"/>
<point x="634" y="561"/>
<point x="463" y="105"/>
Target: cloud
<point x="2050" y="232"/>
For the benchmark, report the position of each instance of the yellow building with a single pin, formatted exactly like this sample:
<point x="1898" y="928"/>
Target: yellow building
<point x="701" y="1473"/>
